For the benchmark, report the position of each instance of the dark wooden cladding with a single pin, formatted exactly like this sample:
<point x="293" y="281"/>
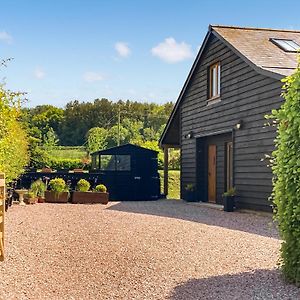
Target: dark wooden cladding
<point x="245" y="95"/>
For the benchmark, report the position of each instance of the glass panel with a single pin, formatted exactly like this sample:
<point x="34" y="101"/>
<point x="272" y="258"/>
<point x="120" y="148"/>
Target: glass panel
<point x="108" y="162"/>
<point x="97" y="161"/>
<point x="293" y="44"/>
<point x="93" y="162"/>
<point x="287" y="45"/>
<point x="214" y="81"/>
<point x="123" y="162"/>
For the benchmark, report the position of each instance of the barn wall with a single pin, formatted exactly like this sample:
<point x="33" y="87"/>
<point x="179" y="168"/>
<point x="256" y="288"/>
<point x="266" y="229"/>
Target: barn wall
<point x="245" y="95"/>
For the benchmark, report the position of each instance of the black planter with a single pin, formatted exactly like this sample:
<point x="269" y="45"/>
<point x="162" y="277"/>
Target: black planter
<point x="190" y="196"/>
<point x="229" y="203"/>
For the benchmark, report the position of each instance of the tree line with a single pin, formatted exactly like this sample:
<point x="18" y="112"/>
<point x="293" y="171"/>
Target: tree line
<point x="132" y="119"/>
<point x="96" y="125"/>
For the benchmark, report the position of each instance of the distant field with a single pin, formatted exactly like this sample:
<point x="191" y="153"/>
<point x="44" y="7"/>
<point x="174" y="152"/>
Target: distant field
<point x="174" y="183"/>
<point x="68" y="152"/>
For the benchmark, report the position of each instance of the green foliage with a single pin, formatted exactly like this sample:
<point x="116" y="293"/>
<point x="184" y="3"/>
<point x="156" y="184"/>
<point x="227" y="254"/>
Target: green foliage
<point x="68" y="152"/>
<point x="38" y="187"/>
<point x="231" y="192"/>
<point x="58" y="185"/>
<point x="95" y="125"/>
<point x="31" y="194"/>
<point x="101" y="188"/>
<point x="112" y="137"/>
<point x="50" y="139"/>
<point x="96" y="139"/>
<point x="174" y="183"/>
<point x="66" y="163"/>
<point x="286" y="183"/>
<point x="13" y="139"/>
<point x="190" y="187"/>
<point x="44" y="117"/>
<point x="83" y="185"/>
<point x="71" y="124"/>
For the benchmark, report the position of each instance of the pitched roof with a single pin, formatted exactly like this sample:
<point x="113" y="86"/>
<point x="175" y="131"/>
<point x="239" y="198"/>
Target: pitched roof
<point x="253" y="45"/>
<point x="123" y="148"/>
<point x="256" y="46"/>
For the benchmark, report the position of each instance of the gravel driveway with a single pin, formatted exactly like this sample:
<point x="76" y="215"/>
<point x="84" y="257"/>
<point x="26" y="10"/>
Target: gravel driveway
<point x="139" y="250"/>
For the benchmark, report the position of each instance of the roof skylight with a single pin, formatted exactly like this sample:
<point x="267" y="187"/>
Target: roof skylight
<point x="286" y="45"/>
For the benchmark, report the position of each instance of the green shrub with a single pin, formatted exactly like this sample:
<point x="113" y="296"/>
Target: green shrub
<point x="83" y="185"/>
<point x="101" y="188"/>
<point x="58" y="185"/>
<point x="13" y="138"/>
<point x="286" y="183"/>
<point x="31" y="195"/>
<point x="38" y="187"/>
<point x="67" y="163"/>
<point x="230" y="193"/>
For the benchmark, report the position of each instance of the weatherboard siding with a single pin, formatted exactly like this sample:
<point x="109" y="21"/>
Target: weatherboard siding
<point x="245" y="95"/>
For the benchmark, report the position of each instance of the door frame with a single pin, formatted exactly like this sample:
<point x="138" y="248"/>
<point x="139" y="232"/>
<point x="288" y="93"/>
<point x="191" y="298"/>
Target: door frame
<point x="228" y="163"/>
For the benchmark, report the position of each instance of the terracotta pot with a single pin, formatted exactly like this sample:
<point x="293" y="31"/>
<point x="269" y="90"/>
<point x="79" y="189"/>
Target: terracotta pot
<point x="53" y="197"/>
<point x="31" y="200"/>
<point x="89" y="197"/>
<point x="41" y="200"/>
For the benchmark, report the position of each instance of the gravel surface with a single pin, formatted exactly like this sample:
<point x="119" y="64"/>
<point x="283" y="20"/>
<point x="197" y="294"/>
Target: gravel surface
<point x="140" y="250"/>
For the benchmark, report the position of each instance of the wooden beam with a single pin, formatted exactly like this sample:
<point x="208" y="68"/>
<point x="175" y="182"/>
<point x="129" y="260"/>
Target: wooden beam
<point x="166" y="171"/>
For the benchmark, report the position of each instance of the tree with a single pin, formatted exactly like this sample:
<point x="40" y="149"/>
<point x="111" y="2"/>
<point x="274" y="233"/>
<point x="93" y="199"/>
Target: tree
<point x="286" y="182"/>
<point x="50" y="139"/>
<point x="96" y="139"/>
<point x="13" y="139"/>
<point x="112" y="137"/>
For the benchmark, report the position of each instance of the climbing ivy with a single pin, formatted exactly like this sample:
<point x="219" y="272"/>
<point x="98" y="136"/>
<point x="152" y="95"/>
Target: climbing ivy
<point x="286" y="182"/>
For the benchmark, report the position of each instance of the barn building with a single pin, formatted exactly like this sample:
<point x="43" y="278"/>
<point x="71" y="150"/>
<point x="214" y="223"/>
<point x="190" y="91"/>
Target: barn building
<point x="219" y="117"/>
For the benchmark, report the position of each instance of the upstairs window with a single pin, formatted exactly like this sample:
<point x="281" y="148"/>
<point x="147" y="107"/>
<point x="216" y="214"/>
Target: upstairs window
<point x="286" y="45"/>
<point x="214" y="80"/>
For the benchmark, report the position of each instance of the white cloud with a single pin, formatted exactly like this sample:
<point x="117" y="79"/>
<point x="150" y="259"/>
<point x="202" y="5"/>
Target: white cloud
<point x="5" y="37"/>
<point x="172" y="52"/>
<point x="39" y="73"/>
<point x="92" y="76"/>
<point x="122" y="49"/>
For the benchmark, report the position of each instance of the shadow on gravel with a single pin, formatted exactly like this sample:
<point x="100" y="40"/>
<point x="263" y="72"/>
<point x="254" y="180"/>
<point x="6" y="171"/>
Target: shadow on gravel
<point x="261" y="284"/>
<point x="251" y="223"/>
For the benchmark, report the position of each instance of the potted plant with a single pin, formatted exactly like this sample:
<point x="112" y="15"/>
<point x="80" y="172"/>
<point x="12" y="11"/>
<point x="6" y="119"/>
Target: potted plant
<point x="59" y="191"/>
<point x="102" y="193"/>
<point x="190" y="192"/>
<point x="228" y="198"/>
<point x="82" y="195"/>
<point x="30" y="198"/>
<point x="39" y="187"/>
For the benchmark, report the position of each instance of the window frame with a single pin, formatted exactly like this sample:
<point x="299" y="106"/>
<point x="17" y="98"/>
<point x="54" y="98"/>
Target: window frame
<point x="214" y="83"/>
<point x="279" y="42"/>
<point x="115" y="163"/>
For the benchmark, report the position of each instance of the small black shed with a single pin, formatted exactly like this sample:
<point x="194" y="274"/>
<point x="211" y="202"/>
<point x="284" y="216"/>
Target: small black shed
<point x="130" y="172"/>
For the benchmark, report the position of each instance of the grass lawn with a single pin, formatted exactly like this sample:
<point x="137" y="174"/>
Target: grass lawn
<point x="174" y="183"/>
<point x="68" y="152"/>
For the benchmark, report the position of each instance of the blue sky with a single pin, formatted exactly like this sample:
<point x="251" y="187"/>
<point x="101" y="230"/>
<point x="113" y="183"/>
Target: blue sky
<point x="139" y="50"/>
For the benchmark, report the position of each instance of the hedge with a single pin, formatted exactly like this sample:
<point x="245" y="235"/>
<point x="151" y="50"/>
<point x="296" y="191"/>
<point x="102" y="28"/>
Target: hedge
<point x="286" y="183"/>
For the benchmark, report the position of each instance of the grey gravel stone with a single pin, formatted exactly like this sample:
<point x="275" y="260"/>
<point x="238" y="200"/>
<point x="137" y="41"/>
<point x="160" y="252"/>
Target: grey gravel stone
<point x="140" y="250"/>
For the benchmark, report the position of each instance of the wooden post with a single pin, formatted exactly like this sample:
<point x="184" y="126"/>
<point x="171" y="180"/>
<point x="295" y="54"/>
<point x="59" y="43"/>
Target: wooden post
<point x="166" y="170"/>
<point x="2" y="211"/>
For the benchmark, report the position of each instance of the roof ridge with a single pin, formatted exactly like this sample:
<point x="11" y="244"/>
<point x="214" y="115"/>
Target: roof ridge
<point x="252" y="28"/>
